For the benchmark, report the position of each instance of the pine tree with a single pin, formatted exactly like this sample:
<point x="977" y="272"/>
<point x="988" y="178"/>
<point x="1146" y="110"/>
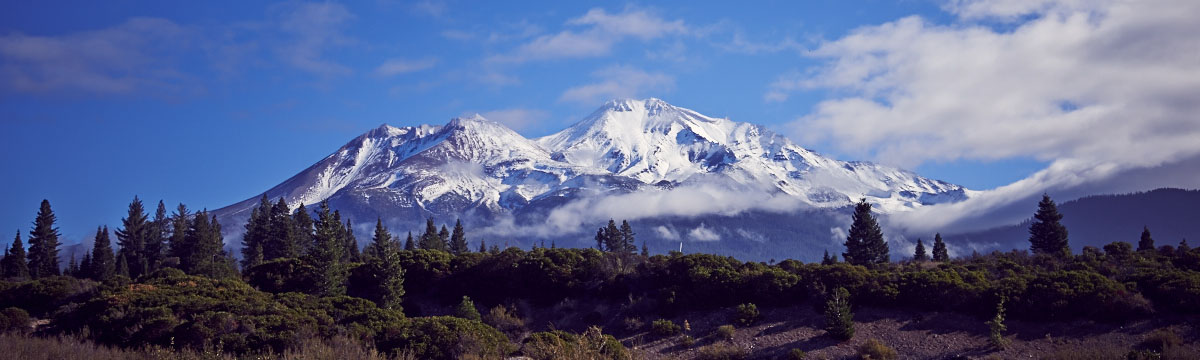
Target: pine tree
<point x="381" y="242"/>
<point x="482" y="246"/>
<point x="600" y="239"/>
<point x="132" y="238"/>
<point x="85" y="267"/>
<point x="383" y="257"/>
<point x="864" y="244"/>
<point x="103" y="265"/>
<point x="43" y="244"/>
<point x="458" y="239"/>
<point x="253" y="238"/>
<point x="178" y="246"/>
<point x="429" y="240"/>
<point x="326" y="254"/>
<point x="612" y="237"/>
<point x="206" y="255"/>
<point x="14" y="265"/>
<point x="826" y="260"/>
<point x="352" y="253"/>
<point x="157" y="239"/>
<point x="839" y="321"/>
<point x="408" y="242"/>
<point x="302" y="220"/>
<point x="940" y="254"/>
<point x="1147" y="242"/>
<point x="1046" y="234"/>
<point x="73" y="267"/>
<point x="122" y="267"/>
<point x="645" y="250"/>
<point x="627" y="236"/>
<point x="997" y="328"/>
<point x="919" y="254"/>
<point x="466" y="310"/>
<point x="444" y="237"/>
<point x="281" y="240"/>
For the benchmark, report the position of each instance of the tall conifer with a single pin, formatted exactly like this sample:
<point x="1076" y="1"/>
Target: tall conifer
<point x="104" y="264"/>
<point x="919" y="253"/>
<point x="135" y="229"/>
<point x="14" y="265"/>
<point x="940" y="254"/>
<point x="43" y="244"/>
<point x="458" y="239"/>
<point x="156" y="240"/>
<point x="864" y="244"/>
<point x="1047" y="235"/>
<point x="1147" y="242"/>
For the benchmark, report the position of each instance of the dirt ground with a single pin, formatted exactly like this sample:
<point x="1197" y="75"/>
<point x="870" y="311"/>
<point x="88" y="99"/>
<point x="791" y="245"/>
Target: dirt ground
<point x="913" y="335"/>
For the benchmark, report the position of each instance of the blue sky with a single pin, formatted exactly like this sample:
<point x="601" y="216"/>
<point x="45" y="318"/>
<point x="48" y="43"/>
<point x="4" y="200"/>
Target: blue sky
<point x="209" y="103"/>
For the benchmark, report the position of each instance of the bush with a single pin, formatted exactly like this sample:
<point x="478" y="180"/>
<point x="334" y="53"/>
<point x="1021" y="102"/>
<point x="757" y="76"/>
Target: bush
<point x="1160" y="340"/>
<point x="876" y="350"/>
<point x="721" y="352"/>
<point x="796" y="354"/>
<point x="558" y="344"/>
<point x="443" y="338"/>
<point x="839" y="321"/>
<point x="725" y="332"/>
<point x="14" y="319"/>
<point x="687" y="341"/>
<point x="466" y="310"/>
<point x="506" y="320"/>
<point x="633" y="323"/>
<point x="746" y="314"/>
<point x="664" y="327"/>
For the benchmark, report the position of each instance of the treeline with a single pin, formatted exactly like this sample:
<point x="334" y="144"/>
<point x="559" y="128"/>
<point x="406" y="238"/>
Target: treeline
<point x="304" y="283"/>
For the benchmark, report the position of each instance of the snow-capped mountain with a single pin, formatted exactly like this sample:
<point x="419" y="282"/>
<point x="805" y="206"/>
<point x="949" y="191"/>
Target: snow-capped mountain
<point x="479" y="170"/>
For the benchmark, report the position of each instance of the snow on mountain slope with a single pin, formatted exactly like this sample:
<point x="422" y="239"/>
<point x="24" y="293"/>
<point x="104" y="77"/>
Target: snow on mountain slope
<point x="475" y="168"/>
<point x="653" y="141"/>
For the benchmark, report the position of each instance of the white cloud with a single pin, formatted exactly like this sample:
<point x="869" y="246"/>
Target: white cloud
<point x="618" y="82"/>
<point x="666" y="233"/>
<point x="397" y="66"/>
<point x="312" y="29"/>
<point x="702" y="233"/>
<point x="1093" y="88"/>
<point x="518" y="118"/>
<point x="135" y="55"/>
<point x="598" y="32"/>
<point x="430" y="8"/>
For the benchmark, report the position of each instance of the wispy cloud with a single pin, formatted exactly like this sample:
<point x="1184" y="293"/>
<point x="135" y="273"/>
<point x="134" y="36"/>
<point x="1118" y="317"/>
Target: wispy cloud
<point x="397" y="66"/>
<point x="517" y="119"/>
<point x="595" y="34"/>
<point x="618" y="82"/>
<point x="311" y="30"/>
<point x="1078" y="84"/>
<point x="138" y="54"/>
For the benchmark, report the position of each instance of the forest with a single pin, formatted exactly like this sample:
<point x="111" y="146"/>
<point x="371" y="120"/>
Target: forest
<point x="304" y="286"/>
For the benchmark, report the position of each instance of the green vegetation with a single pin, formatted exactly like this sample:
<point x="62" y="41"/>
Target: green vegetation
<point x="725" y="332"/>
<point x="664" y="327"/>
<point x="721" y="351"/>
<point x="839" y="321"/>
<point x="874" y="349"/>
<point x="746" y="314"/>
<point x="996" y="327"/>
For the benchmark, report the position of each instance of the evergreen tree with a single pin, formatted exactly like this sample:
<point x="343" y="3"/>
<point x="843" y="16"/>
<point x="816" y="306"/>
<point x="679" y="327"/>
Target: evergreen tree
<point x="207" y="256"/>
<point x="645" y="250"/>
<point x="826" y="260"/>
<point x="466" y="310"/>
<point x="43" y="244"/>
<point x="73" y="267"/>
<point x="352" y="253"/>
<point x="132" y="238"/>
<point x="103" y="265"/>
<point x="179" y="247"/>
<point x="303" y="221"/>
<point x="408" y="242"/>
<point x="1183" y="247"/>
<point x="444" y="236"/>
<point x="14" y="265"/>
<point x="494" y="249"/>
<point x="281" y="240"/>
<point x="612" y="237"/>
<point x="85" y="267"/>
<point x="997" y="328"/>
<point x="864" y="244"/>
<point x="1147" y="242"/>
<point x="600" y="239"/>
<point x="122" y="266"/>
<point x="383" y="258"/>
<point x="458" y="239"/>
<point x="156" y="241"/>
<point x="839" y="321"/>
<point x="381" y="243"/>
<point x="429" y="240"/>
<point x="1046" y="234"/>
<point x="939" y="249"/>
<point x="482" y="246"/>
<point x="326" y="254"/>
<point x="919" y="254"/>
<point x="627" y="237"/>
<point x="257" y="229"/>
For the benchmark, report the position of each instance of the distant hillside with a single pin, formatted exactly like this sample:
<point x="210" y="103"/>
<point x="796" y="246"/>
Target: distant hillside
<point x="1171" y="214"/>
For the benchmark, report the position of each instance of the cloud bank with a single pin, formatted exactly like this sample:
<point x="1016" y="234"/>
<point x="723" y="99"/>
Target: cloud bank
<point x="1095" y="88"/>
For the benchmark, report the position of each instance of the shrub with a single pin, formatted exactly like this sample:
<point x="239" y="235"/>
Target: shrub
<point x="996" y="327"/>
<point x="633" y="323"/>
<point x="687" y="341"/>
<point x="725" y="332"/>
<point x="721" y="352"/>
<point x="746" y="314"/>
<point x="443" y="338"/>
<point x="839" y="321"/>
<point x="664" y="327"/>
<point x="505" y="320"/>
<point x="796" y="354"/>
<point x="558" y="344"/>
<point x="14" y="319"/>
<point x="1160" y="340"/>
<point x="876" y="350"/>
<point x="466" y="310"/>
